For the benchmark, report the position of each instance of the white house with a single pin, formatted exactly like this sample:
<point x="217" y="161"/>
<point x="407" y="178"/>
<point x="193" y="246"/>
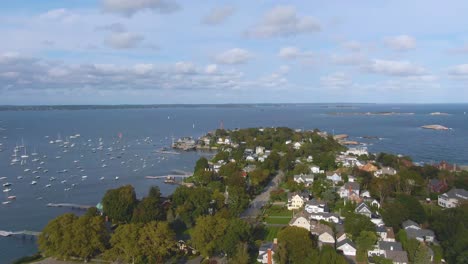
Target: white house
<point x="357" y="151"/>
<point x="385" y="171"/>
<point x="363" y="209"/>
<point x="315" y="169"/>
<point x="327" y="217"/>
<point x="306" y="179"/>
<point x="310" y="159"/>
<point x="259" y="150"/>
<point x="413" y="230"/>
<point x="452" y="198"/>
<point x="301" y="220"/>
<point x="383" y="246"/>
<point x="334" y="177"/>
<point x="296" y="201"/>
<point x="348" y="189"/>
<point x="323" y="232"/>
<point x="347" y="247"/>
<point x="297" y="145"/>
<point x="266" y="253"/>
<point x="316" y="206"/>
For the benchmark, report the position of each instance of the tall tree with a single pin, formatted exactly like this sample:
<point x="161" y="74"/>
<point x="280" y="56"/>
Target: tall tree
<point x="124" y="244"/>
<point x="241" y="256"/>
<point x="295" y="245"/>
<point x="119" y="203"/>
<point x="150" y="208"/>
<point x="156" y="241"/>
<point x="56" y="239"/>
<point x="207" y="234"/>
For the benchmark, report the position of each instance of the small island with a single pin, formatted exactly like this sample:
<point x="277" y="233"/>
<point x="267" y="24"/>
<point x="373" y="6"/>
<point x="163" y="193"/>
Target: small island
<point x="435" y="127"/>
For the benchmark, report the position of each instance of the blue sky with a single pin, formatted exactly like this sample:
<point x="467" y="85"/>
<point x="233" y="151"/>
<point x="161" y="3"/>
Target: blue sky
<point x="166" y="51"/>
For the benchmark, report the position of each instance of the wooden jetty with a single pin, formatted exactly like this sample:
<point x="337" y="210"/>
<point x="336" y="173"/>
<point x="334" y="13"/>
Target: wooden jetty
<point x="167" y="176"/>
<point x="20" y="233"/>
<point x="70" y="205"/>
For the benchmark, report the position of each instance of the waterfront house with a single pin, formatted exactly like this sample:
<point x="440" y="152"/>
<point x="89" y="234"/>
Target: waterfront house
<point x="266" y="253"/>
<point x="385" y="171"/>
<point x="357" y="151"/>
<point x="363" y="209"/>
<point x="347" y="247"/>
<point x="452" y="198"/>
<point x="316" y="206"/>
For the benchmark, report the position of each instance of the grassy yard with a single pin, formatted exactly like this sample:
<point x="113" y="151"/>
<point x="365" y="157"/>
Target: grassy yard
<point x="275" y="210"/>
<point x="272" y="233"/>
<point x="282" y="220"/>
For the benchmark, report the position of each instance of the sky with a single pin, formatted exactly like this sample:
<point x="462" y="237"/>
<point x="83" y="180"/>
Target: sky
<point x="189" y="52"/>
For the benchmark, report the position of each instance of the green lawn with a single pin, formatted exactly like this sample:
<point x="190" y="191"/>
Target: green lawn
<point x="272" y="233"/>
<point x="277" y="211"/>
<point x="278" y="220"/>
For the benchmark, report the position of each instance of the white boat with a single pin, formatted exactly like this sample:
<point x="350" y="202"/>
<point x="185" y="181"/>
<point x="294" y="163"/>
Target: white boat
<point x="6" y="190"/>
<point x="2" y="178"/>
<point x="45" y="171"/>
<point x="6" y="202"/>
<point x="104" y="165"/>
<point x="117" y="177"/>
<point x="33" y="182"/>
<point x="84" y="177"/>
<point x="52" y="179"/>
<point x="19" y="177"/>
<point x="48" y="185"/>
<point x="51" y="142"/>
<point x="37" y="177"/>
<point x="12" y="197"/>
<point x="35" y="160"/>
<point x="58" y="157"/>
<point x="64" y="181"/>
<point x="67" y="189"/>
<point x="6" y="184"/>
<point x="26" y="170"/>
<point x="102" y="178"/>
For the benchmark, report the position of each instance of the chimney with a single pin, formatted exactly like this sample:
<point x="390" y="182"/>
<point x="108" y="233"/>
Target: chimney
<point x="269" y="257"/>
<point x="391" y="248"/>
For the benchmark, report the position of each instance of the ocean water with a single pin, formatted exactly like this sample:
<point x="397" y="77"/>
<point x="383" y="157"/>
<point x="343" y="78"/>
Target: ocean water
<point x="146" y="130"/>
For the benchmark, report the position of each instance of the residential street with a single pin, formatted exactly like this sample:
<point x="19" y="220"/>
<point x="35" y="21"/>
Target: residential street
<point x="262" y="199"/>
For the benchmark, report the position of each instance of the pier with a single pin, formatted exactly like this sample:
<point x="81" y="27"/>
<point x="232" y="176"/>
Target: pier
<point x="19" y="233"/>
<point x="69" y="205"/>
<point x="167" y="176"/>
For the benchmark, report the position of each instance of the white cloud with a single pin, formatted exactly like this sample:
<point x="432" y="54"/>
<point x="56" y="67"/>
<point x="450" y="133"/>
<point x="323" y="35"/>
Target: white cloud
<point x="400" y="43"/>
<point x="210" y="69"/>
<point x="460" y="70"/>
<point x="283" y="21"/>
<point x="218" y="15"/>
<point x="234" y="56"/>
<point x="63" y="15"/>
<point x="114" y="27"/>
<point x="337" y="80"/>
<point x="395" y="68"/>
<point x="289" y="53"/>
<point x="124" y="40"/>
<point x="185" y="67"/>
<point x="143" y="68"/>
<point x="349" y="59"/>
<point x="130" y="7"/>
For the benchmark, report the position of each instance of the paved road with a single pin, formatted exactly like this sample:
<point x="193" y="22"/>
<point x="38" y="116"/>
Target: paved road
<point x="262" y="199"/>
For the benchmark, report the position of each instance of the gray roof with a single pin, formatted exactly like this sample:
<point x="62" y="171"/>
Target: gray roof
<point x="316" y="202"/>
<point x="414" y="233"/>
<point x="352" y="185"/>
<point x="361" y="206"/>
<point x="456" y="194"/>
<point x="409" y="223"/>
<point x="381" y="229"/>
<point x="397" y="256"/>
<point x="387" y="245"/>
<point x="346" y="241"/>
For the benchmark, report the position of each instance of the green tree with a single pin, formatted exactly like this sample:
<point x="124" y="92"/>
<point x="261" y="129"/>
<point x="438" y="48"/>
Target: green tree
<point x="356" y="223"/>
<point x="328" y="255"/>
<point x="56" y="239"/>
<point x="119" y="203"/>
<point x="207" y="234"/>
<point x="241" y="256"/>
<point x="238" y="231"/>
<point x="365" y="242"/>
<point x="295" y="245"/>
<point x="124" y="244"/>
<point x="156" y="241"/>
<point x="90" y="237"/>
<point x="422" y="254"/>
<point x="150" y="208"/>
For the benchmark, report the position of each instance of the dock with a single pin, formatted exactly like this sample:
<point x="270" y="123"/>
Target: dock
<point x="20" y="233"/>
<point x="167" y="176"/>
<point x="69" y="205"/>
